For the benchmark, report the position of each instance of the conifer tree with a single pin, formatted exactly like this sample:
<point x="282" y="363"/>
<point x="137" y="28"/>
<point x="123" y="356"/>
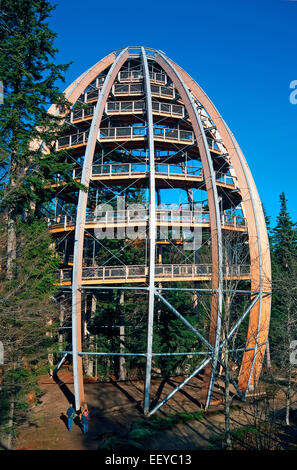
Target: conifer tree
<point x="283" y="329"/>
<point x="29" y="163"/>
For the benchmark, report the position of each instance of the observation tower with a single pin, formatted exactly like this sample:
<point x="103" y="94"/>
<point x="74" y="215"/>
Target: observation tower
<point x="168" y="226"/>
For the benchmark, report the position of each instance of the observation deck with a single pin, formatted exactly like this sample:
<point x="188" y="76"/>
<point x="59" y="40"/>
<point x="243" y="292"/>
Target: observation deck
<point x="163" y="273"/>
<point x="166" y="218"/>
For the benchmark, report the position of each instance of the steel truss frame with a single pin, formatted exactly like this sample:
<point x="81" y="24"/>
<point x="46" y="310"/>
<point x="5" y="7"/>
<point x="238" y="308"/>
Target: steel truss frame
<point x="193" y="99"/>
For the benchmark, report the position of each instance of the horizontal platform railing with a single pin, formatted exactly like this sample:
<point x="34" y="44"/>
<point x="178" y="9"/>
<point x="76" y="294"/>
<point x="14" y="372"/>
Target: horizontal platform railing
<point x="174" y="110"/>
<point x="165" y="170"/>
<point x="128" y="107"/>
<point x="175" y="217"/>
<point x="92" y="95"/>
<point x="169" y="272"/>
<point x="118" y="107"/>
<point x="174" y="134"/>
<point x="81" y="114"/>
<point x="137" y="75"/>
<point x="160" y="133"/>
<point x="72" y="140"/>
<point x="125" y="107"/>
<point x="127" y="89"/>
<point x="161" y="91"/>
<point x="129" y="133"/>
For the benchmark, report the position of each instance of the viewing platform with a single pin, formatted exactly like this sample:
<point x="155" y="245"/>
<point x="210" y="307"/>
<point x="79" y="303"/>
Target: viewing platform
<point x="173" y="219"/>
<point x="163" y="273"/>
<point x="124" y="134"/>
<point x="137" y="76"/>
<point x="137" y="89"/>
<point x="166" y="175"/>
<point x="178" y="175"/>
<point x="115" y="108"/>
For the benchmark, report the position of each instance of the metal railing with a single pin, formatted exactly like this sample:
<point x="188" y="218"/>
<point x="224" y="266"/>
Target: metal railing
<point x="92" y="95"/>
<point x="128" y="133"/>
<point x="137" y="131"/>
<point x="163" y="169"/>
<point x="72" y="140"/>
<point x="224" y="178"/>
<point x="127" y="89"/>
<point x="164" y="271"/>
<point x="61" y="221"/>
<point x="163" y="91"/>
<point x="165" y="108"/>
<point x="174" y="134"/>
<point x="137" y="89"/>
<point x="116" y="133"/>
<point x="229" y="220"/>
<point x="124" y="106"/>
<point x="119" y="168"/>
<point x="171" y="216"/>
<point x="137" y="75"/>
<point x="115" y="107"/>
<point x="81" y="114"/>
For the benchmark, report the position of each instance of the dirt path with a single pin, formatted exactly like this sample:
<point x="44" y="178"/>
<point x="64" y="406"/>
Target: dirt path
<point x="113" y="409"/>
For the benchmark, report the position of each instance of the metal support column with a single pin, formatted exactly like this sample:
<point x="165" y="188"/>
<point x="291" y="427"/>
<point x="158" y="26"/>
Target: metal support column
<point x="152" y="231"/>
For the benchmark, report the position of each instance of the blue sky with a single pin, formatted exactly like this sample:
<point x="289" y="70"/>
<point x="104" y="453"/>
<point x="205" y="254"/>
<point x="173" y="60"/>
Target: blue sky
<point x="243" y="53"/>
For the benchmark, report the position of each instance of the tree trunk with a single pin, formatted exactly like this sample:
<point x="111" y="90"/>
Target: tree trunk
<point x="288" y="397"/>
<point x="123" y="372"/>
<point x="50" y="355"/>
<point x="10" y="425"/>
<point x="90" y="370"/>
<point x="227" y="402"/>
<point x="11" y="245"/>
<point x="227" y="376"/>
<point x="268" y="359"/>
<point x="61" y="323"/>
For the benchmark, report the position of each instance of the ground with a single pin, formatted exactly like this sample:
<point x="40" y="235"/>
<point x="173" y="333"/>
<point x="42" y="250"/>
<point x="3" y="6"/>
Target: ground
<point x="115" y="410"/>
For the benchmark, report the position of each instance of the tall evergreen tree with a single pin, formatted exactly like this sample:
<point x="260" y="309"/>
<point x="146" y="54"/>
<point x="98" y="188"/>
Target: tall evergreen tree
<point x="29" y="165"/>
<point x="283" y="328"/>
<point x="284" y="239"/>
<point x="29" y="162"/>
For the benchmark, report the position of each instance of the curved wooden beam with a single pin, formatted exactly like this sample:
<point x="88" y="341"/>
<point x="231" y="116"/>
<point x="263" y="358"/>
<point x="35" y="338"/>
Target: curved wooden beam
<point x="258" y="243"/>
<point x="77" y="87"/>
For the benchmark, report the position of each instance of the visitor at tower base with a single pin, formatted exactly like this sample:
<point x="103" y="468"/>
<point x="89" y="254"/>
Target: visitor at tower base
<point x="85" y="419"/>
<point x="71" y="415"/>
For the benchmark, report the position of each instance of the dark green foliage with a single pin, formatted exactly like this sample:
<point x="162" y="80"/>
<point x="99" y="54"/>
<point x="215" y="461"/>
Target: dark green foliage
<point x="172" y="336"/>
<point x="283" y="327"/>
<point x="27" y="314"/>
<point x="29" y="75"/>
<point x="29" y="166"/>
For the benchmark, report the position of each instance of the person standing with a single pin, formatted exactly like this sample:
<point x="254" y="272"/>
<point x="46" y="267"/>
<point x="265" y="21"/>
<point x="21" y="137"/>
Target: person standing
<point x="85" y="418"/>
<point x="71" y="415"/>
